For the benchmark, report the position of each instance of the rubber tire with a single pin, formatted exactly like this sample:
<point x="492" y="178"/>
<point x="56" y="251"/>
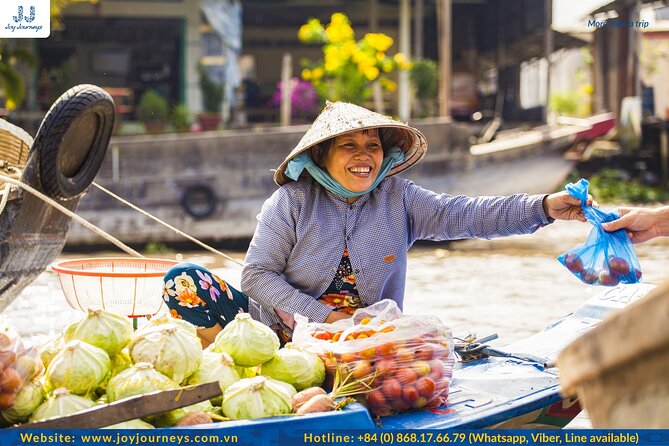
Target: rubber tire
<point x="210" y="200"/>
<point x="72" y="140"/>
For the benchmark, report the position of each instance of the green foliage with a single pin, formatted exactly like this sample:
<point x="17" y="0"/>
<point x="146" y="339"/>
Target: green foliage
<point x="180" y="118"/>
<point x="155" y="248"/>
<point x="11" y="81"/>
<point x="564" y="104"/>
<point x="425" y="78"/>
<point x="153" y="108"/>
<point x="615" y="185"/>
<point x="212" y="92"/>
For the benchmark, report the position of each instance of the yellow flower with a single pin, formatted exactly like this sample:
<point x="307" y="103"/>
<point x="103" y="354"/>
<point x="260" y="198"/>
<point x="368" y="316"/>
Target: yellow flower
<point x="317" y="73"/>
<point x="379" y="41"/>
<point x="388" y="85"/>
<point x="10" y="104"/>
<point x="311" y="32"/>
<point x="338" y="18"/>
<point x="337" y="33"/>
<point x="303" y="33"/>
<point x="387" y="66"/>
<point x="371" y="73"/>
<point x="402" y="62"/>
<point x="306" y="74"/>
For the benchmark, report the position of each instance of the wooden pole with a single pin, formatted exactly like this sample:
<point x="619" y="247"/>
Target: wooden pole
<point x="404" y="104"/>
<point x="418" y="29"/>
<point x="286" y="88"/>
<point x="377" y="92"/>
<point x="548" y="50"/>
<point x="444" y="8"/>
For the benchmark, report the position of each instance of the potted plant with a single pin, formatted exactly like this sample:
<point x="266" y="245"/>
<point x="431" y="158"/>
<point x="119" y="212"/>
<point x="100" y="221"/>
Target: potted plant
<point x="153" y="111"/>
<point x="212" y="101"/>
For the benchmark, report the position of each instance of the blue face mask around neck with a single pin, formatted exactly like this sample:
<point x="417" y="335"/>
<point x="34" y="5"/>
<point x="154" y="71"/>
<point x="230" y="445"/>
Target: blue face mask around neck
<point x="303" y="161"/>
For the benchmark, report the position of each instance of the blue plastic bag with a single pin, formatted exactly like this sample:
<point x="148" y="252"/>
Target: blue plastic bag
<point x="606" y="258"/>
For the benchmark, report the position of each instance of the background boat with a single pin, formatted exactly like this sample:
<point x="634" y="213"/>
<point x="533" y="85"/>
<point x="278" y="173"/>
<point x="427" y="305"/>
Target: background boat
<point x="212" y="184"/>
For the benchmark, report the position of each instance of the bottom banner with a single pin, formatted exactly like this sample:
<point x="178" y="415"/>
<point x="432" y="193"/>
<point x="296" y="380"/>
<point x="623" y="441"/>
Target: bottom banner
<point x="296" y="437"/>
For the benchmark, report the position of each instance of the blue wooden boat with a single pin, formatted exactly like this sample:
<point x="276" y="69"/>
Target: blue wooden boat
<point x="518" y="387"/>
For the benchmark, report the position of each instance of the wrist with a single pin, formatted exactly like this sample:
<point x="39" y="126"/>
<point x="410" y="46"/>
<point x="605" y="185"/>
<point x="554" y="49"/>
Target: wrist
<point x="546" y="209"/>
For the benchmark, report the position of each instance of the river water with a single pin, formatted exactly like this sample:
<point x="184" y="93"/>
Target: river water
<point x="512" y="286"/>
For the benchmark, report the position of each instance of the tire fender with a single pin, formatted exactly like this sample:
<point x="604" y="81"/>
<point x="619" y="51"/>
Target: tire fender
<point x="72" y="140"/>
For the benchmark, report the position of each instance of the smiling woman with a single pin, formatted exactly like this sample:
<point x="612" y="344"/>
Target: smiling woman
<point x="334" y="236"/>
<point x="353" y="159"/>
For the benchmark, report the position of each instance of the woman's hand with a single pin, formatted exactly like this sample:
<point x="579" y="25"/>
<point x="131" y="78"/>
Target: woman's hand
<point x="336" y="316"/>
<point x="641" y="224"/>
<point x="562" y="206"/>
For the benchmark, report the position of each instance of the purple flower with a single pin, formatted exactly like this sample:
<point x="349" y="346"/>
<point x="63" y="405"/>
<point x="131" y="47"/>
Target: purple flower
<point x="206" y="283"/>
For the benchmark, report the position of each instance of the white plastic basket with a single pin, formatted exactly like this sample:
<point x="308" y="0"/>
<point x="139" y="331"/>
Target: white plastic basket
<point x="127" y="286"/>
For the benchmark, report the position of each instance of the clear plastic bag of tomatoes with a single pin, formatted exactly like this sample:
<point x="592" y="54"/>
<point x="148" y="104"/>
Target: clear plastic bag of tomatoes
<point x="19" y="364"/>
<point x="606" y="258"/>
<point x="408" y="360"/>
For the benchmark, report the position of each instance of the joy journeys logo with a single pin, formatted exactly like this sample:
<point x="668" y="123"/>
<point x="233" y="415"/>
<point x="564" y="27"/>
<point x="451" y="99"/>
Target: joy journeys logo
<point x="25" y="19"/>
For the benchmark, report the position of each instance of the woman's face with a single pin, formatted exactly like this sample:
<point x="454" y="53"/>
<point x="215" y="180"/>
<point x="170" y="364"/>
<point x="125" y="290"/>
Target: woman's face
<point x="354" y="159"/>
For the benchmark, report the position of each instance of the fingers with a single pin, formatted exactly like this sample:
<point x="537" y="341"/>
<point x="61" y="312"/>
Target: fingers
<point x="614" y="225"/>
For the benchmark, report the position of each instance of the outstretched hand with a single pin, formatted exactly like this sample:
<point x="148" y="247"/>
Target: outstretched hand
<point x="641" y="224"/>
<point x="562" y="206"/>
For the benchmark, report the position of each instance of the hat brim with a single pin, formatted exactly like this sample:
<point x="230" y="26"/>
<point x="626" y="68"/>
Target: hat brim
<point x="407" y="138"/>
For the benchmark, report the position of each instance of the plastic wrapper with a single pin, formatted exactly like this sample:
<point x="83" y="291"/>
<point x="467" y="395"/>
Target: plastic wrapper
<point x="407" y="359"/>
<point x="606" y="258"/>
<point x="19" y="364"/>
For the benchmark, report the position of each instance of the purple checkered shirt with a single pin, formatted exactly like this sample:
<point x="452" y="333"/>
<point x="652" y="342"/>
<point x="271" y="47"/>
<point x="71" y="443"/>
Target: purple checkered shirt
<point x="303" y="229"/>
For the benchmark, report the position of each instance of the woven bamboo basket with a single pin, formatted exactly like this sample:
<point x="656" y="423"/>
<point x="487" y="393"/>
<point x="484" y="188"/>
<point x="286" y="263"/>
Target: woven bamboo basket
<point x="15" y="146"/>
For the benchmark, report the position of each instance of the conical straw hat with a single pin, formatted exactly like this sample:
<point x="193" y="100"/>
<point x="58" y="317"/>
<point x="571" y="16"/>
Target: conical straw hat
<point x="338" y="118"/>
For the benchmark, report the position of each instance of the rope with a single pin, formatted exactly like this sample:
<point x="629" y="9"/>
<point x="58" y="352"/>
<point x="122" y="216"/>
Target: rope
<point x="167" y="225"/>
<point x="72" y="215"/>
<point x="5" y="196"/>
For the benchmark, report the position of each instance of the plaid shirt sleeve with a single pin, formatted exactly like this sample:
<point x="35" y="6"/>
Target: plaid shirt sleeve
<point x="435" y="216"/>
<point x="268" y="254"/>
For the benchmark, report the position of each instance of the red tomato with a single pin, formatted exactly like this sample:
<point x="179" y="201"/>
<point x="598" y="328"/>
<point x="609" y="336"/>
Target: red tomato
<point x="387" y="349"/>
<point x="322" y="335"/>
<point x="425" y="387"/>
<point x="410" y="394"/>
<point x="405" y="375"/>
<point x="436" y="369"/>
<point x="391" y="389"/>
<point x="425" y="352"/>
<point x="385" y="367"/>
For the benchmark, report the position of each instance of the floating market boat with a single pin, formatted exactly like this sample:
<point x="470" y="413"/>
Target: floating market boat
<point x="518" y="387"/>
<point x="515" y="386"/>
<point x="59" y="163"/>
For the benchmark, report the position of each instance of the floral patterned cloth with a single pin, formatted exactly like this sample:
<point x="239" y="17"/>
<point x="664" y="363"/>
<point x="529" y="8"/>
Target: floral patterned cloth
<point x="342" y="294"/>
<point x="195" y="294"/>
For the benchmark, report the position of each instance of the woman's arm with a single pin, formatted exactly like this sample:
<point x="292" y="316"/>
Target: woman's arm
<point x="267" y="258"/>
<point x="447" y="217"/>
